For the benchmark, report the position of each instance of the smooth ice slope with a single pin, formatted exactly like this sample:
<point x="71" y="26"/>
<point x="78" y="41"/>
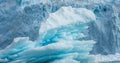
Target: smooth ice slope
<point x="58" y="43"/>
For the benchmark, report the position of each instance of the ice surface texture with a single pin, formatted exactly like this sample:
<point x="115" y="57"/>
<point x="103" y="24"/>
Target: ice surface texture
<point x="58" y="42"/>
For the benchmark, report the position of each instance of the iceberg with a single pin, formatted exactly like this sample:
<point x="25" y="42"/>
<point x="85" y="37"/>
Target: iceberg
<point x="58" y="42"/>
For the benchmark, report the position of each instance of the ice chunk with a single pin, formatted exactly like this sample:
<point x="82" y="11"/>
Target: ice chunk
<point x="58" y="42"/>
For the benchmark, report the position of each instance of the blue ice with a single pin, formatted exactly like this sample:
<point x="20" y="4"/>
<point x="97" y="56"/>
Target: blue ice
<point x="58" y="42"/>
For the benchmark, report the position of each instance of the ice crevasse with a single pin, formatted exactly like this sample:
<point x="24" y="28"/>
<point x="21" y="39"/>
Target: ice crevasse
<point x="58" y="40"/>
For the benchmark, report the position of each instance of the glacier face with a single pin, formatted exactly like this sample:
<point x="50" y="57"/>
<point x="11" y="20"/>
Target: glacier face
<point x="58" y="41"/>
<point x="17" y="20"/>
<point x="105" y="30"/>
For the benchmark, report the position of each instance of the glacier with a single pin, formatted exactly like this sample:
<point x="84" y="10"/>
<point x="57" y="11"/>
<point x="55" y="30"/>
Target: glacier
<point x="38" y="20"/>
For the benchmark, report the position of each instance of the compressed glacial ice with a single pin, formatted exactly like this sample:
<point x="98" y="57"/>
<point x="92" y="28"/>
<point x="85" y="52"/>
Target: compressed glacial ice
<point x="58" y="40"/>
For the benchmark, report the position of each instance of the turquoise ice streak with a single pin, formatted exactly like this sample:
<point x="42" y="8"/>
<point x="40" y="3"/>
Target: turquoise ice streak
<point x="58" y="42"/>
<point x="69" y="32"/>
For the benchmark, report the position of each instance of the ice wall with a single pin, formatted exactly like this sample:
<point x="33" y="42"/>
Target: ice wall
<point x="58" y="42"/>
<point x="107" y="27"/>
